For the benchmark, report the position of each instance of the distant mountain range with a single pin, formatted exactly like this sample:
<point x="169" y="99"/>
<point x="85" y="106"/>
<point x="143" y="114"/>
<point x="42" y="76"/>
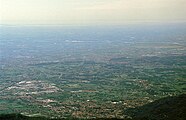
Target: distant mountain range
<point x="169" y="108"/>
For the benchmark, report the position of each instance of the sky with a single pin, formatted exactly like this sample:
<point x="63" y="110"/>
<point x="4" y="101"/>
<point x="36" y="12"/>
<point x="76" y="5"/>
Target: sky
<point x="91" y="12"/>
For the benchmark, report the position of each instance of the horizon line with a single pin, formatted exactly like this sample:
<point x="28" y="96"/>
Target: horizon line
<point x="125" y="24"/>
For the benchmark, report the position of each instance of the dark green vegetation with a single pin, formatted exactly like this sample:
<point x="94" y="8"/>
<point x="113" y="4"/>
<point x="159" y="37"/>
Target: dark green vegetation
<point x="169" y="108"/>
<point x="101" y="75"/>
<point x="19" y="117"/>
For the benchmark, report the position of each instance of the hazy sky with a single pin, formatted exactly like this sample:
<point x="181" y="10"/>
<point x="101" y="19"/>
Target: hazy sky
<point x="82" y="12"/>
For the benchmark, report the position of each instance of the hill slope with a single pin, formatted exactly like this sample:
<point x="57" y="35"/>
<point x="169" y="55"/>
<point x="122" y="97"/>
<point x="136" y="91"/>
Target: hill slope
<point x="169" y="108"/>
